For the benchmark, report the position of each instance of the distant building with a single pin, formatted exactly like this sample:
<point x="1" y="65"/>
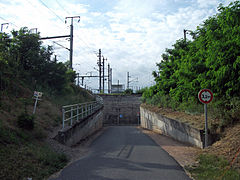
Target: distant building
<point x="117" y="88"/>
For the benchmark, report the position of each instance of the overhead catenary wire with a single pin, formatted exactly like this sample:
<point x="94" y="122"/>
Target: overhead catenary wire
<point x="86" y="46"/>
<point x="62" y="7"/>
<point x="51" y="11"/>
<point x="9" y="22"/>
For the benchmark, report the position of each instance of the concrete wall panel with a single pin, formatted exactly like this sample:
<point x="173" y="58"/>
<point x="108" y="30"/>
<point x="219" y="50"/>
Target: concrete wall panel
<point x="79" y="131"/>
<point x="178" y="130"/>
<point x="121" y="109"/>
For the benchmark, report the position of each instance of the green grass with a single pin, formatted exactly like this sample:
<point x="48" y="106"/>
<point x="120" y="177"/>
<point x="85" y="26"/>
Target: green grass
<point x="212" y="167"/>
<point x="22" y="155"/>
<point x="23" y="151"/>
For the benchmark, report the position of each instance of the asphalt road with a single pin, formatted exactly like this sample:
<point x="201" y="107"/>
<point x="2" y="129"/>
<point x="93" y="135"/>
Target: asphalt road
<point x="124" y="153"/>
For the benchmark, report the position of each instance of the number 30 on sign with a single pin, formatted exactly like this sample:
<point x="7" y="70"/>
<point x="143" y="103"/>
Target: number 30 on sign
<point x="205" y="96"/>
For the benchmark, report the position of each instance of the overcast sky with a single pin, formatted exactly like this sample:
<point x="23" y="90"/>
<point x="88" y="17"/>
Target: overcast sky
<point x="132" y="34"/>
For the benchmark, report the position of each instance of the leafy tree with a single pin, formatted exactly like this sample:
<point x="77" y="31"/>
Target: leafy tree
<point x="211" y="60"/>
<point x="22" y="57"/>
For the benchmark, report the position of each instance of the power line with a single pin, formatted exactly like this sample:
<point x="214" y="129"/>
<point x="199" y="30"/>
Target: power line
<point x="48" y="9"/>
<point x="51" y="10"/>
<point x="3" y="19"/>
<point x="62" y="7"/>
<point x="82" y="39"/>
<point x="61" y="45"/>
<point x="9" y="22"/>
<point x="85" y="42"/>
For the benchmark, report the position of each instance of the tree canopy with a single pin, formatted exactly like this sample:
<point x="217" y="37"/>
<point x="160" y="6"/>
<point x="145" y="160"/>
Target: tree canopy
<point x="210" y="60"/>
<point x="24" y="58"/>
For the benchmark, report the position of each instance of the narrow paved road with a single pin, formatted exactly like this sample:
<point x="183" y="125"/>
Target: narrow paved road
<point x="124" y="153"/>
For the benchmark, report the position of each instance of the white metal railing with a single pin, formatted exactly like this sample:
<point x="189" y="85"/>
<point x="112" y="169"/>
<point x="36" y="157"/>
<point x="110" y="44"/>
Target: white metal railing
<point x="77" y="112"/>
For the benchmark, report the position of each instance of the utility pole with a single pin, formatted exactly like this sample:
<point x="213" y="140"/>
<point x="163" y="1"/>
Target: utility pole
<point x="3" y="25"/>
<point x="82" y="80"/>
<point x="100" y="70"/>
<point x="71" y="37"/>
<point x="128" y="80"/>
<point x="103" y="74"/>
<point x="55" y="58"/>
<point x="103" y="69"/>
<point x="185" y="31"/>
<point x="108" y="78"/>
<point x="78" y="79"/>
<point x="118" y="86"/>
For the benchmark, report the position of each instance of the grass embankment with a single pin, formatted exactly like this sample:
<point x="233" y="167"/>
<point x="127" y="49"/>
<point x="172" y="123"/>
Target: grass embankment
<point x="24" y="152"/>
<point x="222" y="159"/>
<point x="215" y="162"/>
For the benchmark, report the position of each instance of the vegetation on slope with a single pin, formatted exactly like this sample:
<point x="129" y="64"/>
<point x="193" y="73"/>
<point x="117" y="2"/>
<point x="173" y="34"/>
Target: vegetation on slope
<point x="210" y="60"/>
<point x="26" y="66"/>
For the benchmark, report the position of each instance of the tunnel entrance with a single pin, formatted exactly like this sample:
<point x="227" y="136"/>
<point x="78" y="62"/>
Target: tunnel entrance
<point x="121" y="109"/>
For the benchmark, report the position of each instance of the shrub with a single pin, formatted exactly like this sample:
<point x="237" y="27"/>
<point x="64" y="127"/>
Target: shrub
<point x="128" y="91"/>
<point x="25" y="121"/>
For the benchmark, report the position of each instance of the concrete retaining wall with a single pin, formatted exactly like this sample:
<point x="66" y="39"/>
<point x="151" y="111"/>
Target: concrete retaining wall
<point x="121" y="109"/>
<point x="179" y="131"/>
<point x="79" y="131"/>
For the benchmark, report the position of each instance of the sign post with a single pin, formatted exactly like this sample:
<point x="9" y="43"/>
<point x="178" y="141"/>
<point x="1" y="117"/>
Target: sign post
<point x="36" y="96"/>
<point x="205" y="96"/>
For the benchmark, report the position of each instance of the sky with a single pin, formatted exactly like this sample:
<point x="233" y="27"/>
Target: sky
<point x="132" y="34"/>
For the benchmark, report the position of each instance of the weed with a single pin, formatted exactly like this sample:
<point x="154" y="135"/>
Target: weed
<point x="57" y="120"/>
<point x="32" y="160"/>
<point x="39" y="134"/>
<point x="212" y="167"/>
<point x="25" y="121"/>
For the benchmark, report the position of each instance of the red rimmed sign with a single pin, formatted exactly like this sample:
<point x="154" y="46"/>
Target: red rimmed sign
<point x="205" y="96"/>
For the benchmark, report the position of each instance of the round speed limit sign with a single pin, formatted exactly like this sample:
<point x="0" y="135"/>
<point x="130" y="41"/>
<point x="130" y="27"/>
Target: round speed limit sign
<point x="205" y="96"/>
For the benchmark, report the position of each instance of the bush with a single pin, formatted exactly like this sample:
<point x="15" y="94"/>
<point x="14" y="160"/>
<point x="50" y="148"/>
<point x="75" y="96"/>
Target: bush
<point x="128" y="91"/>
<point x="25" y="121"/>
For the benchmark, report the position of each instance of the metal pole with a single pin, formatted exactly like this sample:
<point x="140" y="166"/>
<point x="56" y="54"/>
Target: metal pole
<point x="77" y="112"/>
<point x="118" y="86"/>
<point x="71" y="38"/>
<point x="82" y="81"/>
<point x="63" y="117"/>
<point x="184" y="32"/>
<point x="100" y="71"/>
<point x="71" y="43"/>
<point x="82" y="110"/>
<point x="35" y="105"/>
<point x="71" y="115"/>
<point x="3" y="25"/>
<point x="127" y="80"/>
<point x="206" y="126"/>
<point x="103" y="74"/>
<point x="108" y="78"/>
<point x="78" y="79"/>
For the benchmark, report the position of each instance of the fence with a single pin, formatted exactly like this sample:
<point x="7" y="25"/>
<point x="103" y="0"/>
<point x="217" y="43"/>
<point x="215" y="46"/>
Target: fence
<point x="77" y="112"/>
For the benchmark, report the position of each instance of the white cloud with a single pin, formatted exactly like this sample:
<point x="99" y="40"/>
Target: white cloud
<point x="132" y="34"/>
<point x="207" y="3"/>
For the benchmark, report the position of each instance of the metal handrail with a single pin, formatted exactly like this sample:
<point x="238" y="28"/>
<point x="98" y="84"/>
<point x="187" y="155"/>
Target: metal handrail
<point x="77" y="112"/>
